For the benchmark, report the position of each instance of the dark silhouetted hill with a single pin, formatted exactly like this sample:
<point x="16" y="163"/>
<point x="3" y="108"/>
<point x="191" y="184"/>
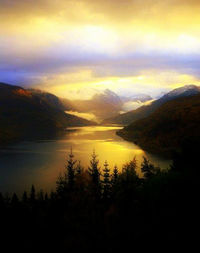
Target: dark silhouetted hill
<point x="25" y="114"/>
<point x="170" y="126"/>
<point x="52" y="100"/>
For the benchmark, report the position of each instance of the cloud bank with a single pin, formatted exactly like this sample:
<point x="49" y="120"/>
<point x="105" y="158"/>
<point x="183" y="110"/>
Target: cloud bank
<point x="124" y="45"/>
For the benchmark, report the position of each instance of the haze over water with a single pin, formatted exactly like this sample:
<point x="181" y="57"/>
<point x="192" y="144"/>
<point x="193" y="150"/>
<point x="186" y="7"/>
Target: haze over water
<point x="40" y="162"/>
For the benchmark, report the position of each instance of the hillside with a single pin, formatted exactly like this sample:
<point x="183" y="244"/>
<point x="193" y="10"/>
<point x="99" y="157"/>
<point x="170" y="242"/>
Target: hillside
<point x="146" y="110"/>
<point x="165" y="130"/>
<point x="51" y="100"/>
<point x="24" y="115"/>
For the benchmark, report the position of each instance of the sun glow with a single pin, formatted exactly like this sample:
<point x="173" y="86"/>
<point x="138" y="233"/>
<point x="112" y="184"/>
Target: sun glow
<point x="77" y="45"/>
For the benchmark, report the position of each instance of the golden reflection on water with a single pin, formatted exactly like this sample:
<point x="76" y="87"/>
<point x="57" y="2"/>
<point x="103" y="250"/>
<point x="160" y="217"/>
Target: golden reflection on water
<point x="108" y="146"/>
<point x="40" y="162"/>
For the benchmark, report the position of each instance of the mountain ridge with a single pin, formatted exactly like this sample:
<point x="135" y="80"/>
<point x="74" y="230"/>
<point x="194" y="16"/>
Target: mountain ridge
<point x="170" y="126"/>
<point x="107" y="103"/>
<point x="144" y="111"/>
<point x="25" y="116"/>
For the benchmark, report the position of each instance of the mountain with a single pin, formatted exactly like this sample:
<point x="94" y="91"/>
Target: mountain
<point x="171" y="125"/>
<point x="103" y="104"/>
<point x="24" y="115"/>
<point x="184" y="91"/>
<point x="106" y="104"/>
<point x="136" y="97"/>
<point x="51" y="100"/>
<point x="146" y="110"/>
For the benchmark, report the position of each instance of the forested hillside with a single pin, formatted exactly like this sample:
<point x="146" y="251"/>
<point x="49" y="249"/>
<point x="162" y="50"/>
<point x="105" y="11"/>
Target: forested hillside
<point x="165" y="130"/>
<point x="24" y="115"/>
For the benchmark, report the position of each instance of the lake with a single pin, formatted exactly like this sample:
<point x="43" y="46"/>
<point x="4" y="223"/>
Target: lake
<point x="40" y="162"/>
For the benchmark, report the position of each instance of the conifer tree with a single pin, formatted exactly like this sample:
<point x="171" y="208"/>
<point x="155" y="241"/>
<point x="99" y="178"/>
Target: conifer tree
<point x="114" y="181"/>
<point x="94" y="173"/>
<point x="32" y="194"/>
<point x="115" y="176"/>
<point x="132" y="166"/>
<point x="147" y="168"/>
<point x="79" y="168"/>
<point x="70" y="175"/>
<point x="60" y="185"/>
<point x="106" y="181"/>
<point x="129" y="169"/>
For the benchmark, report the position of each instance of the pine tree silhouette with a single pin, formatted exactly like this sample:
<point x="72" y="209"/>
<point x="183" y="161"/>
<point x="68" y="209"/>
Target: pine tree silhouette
<point x="70" y="175"/>
<point x="79" y="168"/>
<point x="129" y="169"/>
<point x="94" y="173"/>
<point x="32" y="194"/>
<point x="147" y="168"/>
<point x="115" y="176"/>
<point x="60" y="185"/>
<point x="106" y="181"/>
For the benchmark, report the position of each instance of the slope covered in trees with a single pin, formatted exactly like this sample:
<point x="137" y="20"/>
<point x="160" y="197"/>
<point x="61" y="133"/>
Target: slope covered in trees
<point x="24" y="115"/>
<point x="52" y="100"/>
<point x="171" y="125"/>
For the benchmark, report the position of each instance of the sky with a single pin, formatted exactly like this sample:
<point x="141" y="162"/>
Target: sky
<point x="75" y="48"/>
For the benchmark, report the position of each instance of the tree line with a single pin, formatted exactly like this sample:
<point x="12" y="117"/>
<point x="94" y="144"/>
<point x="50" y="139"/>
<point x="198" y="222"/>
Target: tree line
<point x="103" y="210"/>
<point x="99" y="183"/>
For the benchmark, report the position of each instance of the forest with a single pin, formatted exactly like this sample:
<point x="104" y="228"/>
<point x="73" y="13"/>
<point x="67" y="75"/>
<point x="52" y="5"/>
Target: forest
<point x="107" y="209"/>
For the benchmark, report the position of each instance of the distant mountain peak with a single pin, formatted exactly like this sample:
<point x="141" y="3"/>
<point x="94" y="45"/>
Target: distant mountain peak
<point x="107" y="95"/>
<point x="190" y="89"/>
<point x="109" y="92"/>
<point x="106" y="92"/>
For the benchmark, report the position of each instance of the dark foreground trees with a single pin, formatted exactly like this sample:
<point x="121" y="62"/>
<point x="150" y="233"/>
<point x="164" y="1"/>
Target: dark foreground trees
<point x="104" y="210"/>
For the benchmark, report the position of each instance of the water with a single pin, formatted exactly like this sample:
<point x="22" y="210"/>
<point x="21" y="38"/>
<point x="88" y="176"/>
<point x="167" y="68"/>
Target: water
<point x="40" y="162"/>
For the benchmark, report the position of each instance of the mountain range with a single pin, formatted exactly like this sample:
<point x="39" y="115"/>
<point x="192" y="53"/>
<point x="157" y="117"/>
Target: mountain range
<point x="26" y="114"/>
<point x="170" y="122"/>
<point x="106" y="104"/>
<point x="137" y="97"/>
<point x="159" y="127"/>
<point x="146" y="110"/>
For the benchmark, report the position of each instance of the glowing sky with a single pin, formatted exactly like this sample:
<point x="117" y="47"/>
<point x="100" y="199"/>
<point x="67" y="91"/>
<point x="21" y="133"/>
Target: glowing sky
<point x="73" y="48"/>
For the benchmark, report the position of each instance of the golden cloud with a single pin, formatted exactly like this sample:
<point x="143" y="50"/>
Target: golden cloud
<point x="68" y="45"/>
